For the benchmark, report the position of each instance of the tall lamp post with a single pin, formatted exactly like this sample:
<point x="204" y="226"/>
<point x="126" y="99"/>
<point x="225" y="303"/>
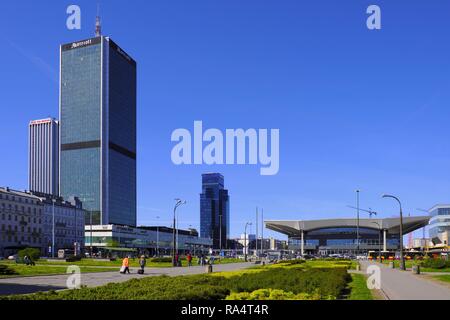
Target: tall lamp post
<point x="402" y="258"/>
<point x="245" y="240"/>
<point x="157" y="238"/>
<point x="379" y="240"/>
<point x="178" y="203"/>
<point x="357" y="221"/>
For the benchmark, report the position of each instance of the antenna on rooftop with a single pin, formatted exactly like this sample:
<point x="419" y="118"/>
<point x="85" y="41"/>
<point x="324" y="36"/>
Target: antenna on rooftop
<point x="98" y="25"/>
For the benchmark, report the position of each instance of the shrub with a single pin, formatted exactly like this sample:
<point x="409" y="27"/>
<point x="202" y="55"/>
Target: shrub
<point x="272" y="294"/>
<point x="435" y="263"/>
<point x="161" y="259"/>
<point x="6" y="271"/>
<point x="33" y="253"/>
<point x="292" y="262"/>
<point x="73" y="258"/>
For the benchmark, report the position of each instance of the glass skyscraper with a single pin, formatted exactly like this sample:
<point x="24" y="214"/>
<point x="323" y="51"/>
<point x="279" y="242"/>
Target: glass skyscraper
<point x="214" y="210"/>
<point x="98" y="129"/>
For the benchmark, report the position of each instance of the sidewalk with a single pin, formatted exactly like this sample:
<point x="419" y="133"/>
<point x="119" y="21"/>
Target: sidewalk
<point x="24" y="285"/>
<point x="404" y="285"/>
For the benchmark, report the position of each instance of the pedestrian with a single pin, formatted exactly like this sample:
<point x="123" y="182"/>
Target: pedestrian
<point x="125" y="265"/>
<point x="142" y="263"/>
<point x="189" y="259"/>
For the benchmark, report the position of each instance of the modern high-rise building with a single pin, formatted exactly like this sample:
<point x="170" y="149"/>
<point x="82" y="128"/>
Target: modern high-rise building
<point x="98" y="130"/>
<point x="43" y="156"/>
<point x="440" y="225"/>
<point x="214" y="210"/>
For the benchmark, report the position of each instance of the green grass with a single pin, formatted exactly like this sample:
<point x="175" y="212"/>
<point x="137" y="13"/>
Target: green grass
<point x="444" y="278"/>
<point x="23" y="270"/>
<point x="358" y="288"/>
<point x="409" y="264"/>
<point x="133" y="263"/>
<point x="277" y="282"/>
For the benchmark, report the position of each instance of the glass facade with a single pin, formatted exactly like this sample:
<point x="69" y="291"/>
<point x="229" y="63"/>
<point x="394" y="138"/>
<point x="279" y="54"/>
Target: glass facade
<point x="440" y="224"/>
<point x="98" y="130"/>
<point x="214" y="210"/>
<point x="344" y="238"/>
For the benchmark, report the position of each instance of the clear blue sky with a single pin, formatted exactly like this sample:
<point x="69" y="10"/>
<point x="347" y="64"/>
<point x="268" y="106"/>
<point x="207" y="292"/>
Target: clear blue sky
<point x="355" y="108"/>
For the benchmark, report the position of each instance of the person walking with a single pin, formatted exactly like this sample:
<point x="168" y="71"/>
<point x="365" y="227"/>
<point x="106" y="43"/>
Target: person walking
<point x="142" y="263"/>
<point x="125" y="265"/>
<point x="189" y="259"/>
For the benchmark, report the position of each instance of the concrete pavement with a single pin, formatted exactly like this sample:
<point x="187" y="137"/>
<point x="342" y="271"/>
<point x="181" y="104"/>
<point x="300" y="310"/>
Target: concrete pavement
<point x="24" y="285"/>
<point x="404" y="285"/>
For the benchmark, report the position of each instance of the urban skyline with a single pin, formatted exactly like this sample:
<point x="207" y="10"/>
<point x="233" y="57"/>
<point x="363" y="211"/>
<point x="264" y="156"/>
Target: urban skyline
<point x="369" y="144"/>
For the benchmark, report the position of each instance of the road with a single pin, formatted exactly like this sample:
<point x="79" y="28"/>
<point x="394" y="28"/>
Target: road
<point x="24" y="285"/>
<point x="404" y="285"/>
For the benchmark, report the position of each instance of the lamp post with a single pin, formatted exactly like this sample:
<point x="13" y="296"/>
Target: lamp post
<point x="157" y="238"/>
<point x="357" y="221"/>
<point x="379" y="239"/>
<point x="178" y="203"/>
<point x="402" y="259"/>
<point x="245" y="240"/>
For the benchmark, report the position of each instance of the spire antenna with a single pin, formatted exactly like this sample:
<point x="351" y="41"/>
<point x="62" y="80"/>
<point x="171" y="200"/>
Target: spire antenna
<point x="98" y="25"/>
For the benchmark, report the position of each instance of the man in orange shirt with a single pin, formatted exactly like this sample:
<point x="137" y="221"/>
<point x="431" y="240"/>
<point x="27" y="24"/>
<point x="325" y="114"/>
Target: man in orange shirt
<point x="125" y="265"/>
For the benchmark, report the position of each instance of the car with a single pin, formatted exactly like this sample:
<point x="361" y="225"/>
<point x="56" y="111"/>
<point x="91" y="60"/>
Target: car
<point x="13" y="257"/>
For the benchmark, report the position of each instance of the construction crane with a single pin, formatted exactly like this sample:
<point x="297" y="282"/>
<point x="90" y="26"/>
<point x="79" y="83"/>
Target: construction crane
<point x="423" y="230"/>
<point x="370" y="211"/>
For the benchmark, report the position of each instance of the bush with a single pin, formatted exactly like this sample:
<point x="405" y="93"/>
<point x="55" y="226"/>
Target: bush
<point x="73" y="258"/>
<point x="161" y="259"/>
<point x="33" y="253"/>
<point x="435" y="263"/>
<point x="272" y="294"/>
<point x="6" y="271"/>
<point x="292" y="262"/>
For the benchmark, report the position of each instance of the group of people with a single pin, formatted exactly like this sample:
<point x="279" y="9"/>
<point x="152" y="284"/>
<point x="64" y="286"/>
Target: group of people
<point x="202" y="260"/>
<point x="126" y="265"/>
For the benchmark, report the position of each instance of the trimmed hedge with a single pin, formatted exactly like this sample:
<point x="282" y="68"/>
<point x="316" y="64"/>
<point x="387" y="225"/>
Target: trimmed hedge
<point x="320" y="283"/>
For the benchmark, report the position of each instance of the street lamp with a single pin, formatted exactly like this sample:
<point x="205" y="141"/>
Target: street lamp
<point x="379" y="240"/>
<point x="157" y="238"/>
<point x="178" y="203"/>
<point x="402" y="259"/>
<point x="245" y="240"/>
<point x="357" y="221"/>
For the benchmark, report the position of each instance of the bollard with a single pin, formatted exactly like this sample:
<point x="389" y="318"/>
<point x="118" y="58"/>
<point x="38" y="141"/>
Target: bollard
<point x="391" y="265"/>
<point x="209" y="268"/>
<point x="416" y="269"/>
<point x="358" y="267"/>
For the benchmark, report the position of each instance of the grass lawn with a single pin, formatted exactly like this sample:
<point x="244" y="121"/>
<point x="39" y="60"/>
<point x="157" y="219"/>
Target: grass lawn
<point x="409" y="264"/>
<point x="445" y="278"/>
<point x="23" y="270"/>
<point x="358" y="288"/>
<point x="133" y="263"/>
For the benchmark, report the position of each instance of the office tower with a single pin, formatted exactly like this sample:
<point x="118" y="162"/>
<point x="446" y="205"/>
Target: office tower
<point x="98" y="130"/>
<point x="43" y="156"/>
<point x="214" y="210"/>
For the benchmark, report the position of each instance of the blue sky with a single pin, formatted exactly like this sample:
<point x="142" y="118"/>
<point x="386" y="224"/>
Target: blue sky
<point x="355" y="108"/>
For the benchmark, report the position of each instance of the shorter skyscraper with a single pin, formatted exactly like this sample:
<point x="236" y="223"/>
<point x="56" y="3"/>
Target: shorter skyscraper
<point x="214" y="210"/>
<point x="43" y="156"/>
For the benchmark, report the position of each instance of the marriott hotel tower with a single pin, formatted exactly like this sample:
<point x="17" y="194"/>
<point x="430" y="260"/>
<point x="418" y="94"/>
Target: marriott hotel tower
<point x="98" y="129"/>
